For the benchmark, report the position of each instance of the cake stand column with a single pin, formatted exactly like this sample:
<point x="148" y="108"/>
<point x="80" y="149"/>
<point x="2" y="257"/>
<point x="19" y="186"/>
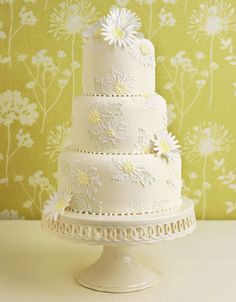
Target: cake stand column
<point x="117" y="271"/>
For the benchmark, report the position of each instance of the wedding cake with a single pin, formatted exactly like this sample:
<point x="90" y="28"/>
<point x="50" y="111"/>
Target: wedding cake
<point x="122" y="160"/>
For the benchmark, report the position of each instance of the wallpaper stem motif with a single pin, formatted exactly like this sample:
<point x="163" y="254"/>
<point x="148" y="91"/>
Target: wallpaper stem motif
<point x="41" y="81"/>
<point x="40" y="72"/>
<point x="7" y="152"/>
<point x="73" y="71"/>
<point x="10" y="37"/>
<point x="181" y="85"/>
<point x="150" y="21"/>
<point x="211" y="72"/>
<point x="204" y="181"/>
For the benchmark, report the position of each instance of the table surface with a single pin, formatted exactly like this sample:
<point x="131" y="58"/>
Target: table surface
<point x="36" y="266"/>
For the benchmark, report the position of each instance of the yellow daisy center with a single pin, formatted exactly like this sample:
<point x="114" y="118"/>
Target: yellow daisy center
<point x="60" y="205"/>
<point x="164" y="146"/>
<point x="83" y="178"/>
<point x="144" y="49"/>
<point x="94" y="117"/>
<point x="111" y="132"/>
<point x="128" y="167"/>
<point x="118" y="33"/>
<point x="120" y="87"/>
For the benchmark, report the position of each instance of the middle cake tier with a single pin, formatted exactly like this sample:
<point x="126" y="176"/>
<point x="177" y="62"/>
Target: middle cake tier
<point x="121" y="184"/>
<point x="117" y="124"/>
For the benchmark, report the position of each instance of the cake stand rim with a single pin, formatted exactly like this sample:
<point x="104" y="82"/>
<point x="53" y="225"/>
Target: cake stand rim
<point x="126" y="232"/>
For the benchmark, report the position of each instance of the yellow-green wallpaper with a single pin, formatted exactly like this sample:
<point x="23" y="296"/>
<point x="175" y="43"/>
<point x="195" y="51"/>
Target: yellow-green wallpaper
<point x="40" y="73"/>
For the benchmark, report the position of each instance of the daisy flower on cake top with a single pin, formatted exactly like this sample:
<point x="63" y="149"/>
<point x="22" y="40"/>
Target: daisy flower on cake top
<point x="120" y="27"/>
<point x="143" y="51"/>
<point x="166" y="145"/>
<point x="56" y="204"/>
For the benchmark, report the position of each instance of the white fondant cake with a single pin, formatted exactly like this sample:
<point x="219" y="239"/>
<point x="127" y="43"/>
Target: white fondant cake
<point x="118" y="184"/>
<point x="117" y="124"/>
<point x="113" y="70"/>
<point x="122" y="160"/>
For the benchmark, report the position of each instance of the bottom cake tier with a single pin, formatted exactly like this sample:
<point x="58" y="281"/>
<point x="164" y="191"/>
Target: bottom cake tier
<point x="120" y="184"/>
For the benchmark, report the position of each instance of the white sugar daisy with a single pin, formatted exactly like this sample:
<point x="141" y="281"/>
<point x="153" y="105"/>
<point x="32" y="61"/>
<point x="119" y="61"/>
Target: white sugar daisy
<point x="120" y="27"/>
<point x="143" y="51"/>
<point x="166" y="145"/>
<point x="56" y="204"/>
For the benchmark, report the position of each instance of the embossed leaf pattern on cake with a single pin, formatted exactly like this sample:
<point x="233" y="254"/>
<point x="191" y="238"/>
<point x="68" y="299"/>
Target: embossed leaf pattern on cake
<point x="142" y="50"/>
<point x="158" y="206"/>
<point x="130" y="171"/>
<point x="120" y="27"/>
<point x="57" y="203"/>
<point x="136" y="207"/>
<point x="117" y="82"/>
<point x="82" y="178"/>
<point x="84" y="205"/>
<point x="105" y="126"/>
<point x="143" y="142"/>
<point x="174" y="180"/>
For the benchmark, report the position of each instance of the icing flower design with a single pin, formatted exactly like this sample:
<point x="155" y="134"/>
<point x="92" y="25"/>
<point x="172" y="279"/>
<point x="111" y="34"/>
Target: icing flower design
<point x="103" y="111"/>
<point x="120" y="27"/>
<point x="56" y="204"/>
<point x="136" y="207"/>
<point x="143" y="51"/>
<point x="82" y="179"/>
<point x="174" y="181"/>
<point x="104" y="125"/>
<point x="129" y="171"/>
<point x="118" y="82"/>
<point x="83" y="205"/>
<point x="166" y="145"/>
<point x="143" y="142"/>
<point x="113" y="133"/>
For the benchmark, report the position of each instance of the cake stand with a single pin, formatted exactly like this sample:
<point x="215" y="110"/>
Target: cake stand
<point x="117" y="270"/>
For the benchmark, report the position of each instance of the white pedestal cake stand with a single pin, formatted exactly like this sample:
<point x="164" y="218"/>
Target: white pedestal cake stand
<point x="117" y="270"/>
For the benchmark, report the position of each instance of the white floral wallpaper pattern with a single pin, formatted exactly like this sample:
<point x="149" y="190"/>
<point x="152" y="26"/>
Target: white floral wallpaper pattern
<point x="40" y="74"/>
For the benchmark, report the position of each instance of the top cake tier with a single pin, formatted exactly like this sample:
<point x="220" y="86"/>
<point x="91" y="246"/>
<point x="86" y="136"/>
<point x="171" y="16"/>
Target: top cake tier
<point x="116" y="60"/>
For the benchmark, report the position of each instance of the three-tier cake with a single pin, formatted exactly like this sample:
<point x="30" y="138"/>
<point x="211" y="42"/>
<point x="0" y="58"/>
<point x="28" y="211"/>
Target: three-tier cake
<point x="122" y="160"/>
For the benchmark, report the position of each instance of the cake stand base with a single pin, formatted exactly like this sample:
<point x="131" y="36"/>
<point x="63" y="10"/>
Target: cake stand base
<point x="117" y="271"/>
